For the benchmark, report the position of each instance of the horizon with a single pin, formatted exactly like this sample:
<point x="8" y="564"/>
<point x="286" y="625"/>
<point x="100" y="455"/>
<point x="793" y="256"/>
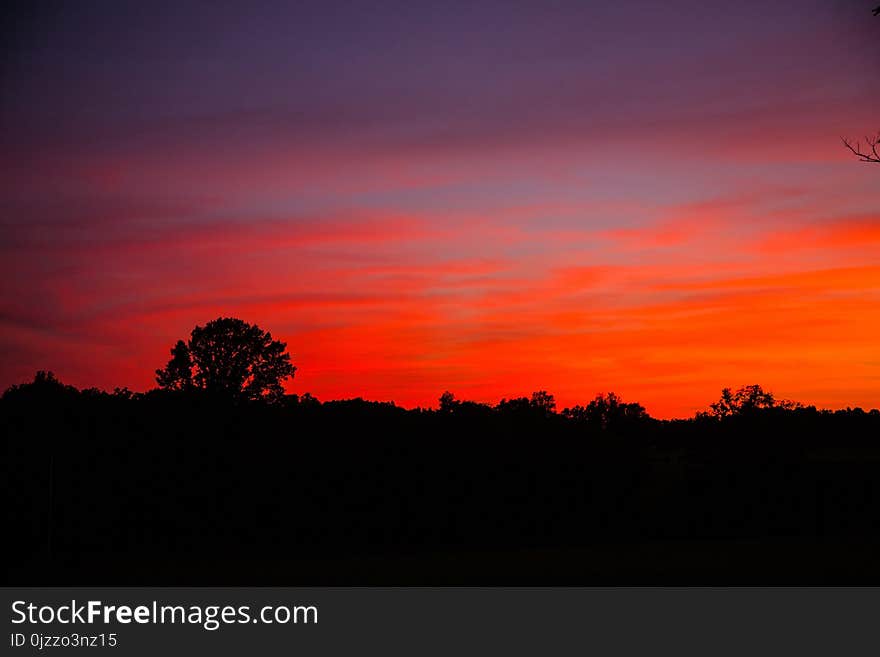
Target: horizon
<point x="487" y="199"/>
<point x="558" y="409"/>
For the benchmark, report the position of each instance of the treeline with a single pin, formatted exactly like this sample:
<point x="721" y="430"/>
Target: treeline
<point x="168" y="477"/>
<point x="605" y="411"/>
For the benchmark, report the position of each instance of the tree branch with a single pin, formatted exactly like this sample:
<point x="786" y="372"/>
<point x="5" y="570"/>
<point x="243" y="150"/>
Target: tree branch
<point x="870" y="154"/>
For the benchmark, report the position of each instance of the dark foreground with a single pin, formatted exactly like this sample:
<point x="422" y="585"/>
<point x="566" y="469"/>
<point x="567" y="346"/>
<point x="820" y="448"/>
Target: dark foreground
<point x="175" y="489"/>
<point x="663" y="563"/>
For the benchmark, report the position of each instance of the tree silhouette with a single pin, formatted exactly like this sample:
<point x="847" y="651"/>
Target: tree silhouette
<point x="869" y="153"/>
<point x="178" y="373"/>
<point x="745" y="400"/>
<point x="448" y="402"/>
<point x="607" y="410"/>
<point x="230" y="358"/>
<point x="517" y="480"/>
<point x="543" y="401"/>
<point x="44" y="386"/>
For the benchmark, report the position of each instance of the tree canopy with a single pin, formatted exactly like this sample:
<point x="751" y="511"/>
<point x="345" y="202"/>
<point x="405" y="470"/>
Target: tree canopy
<point x="746" y="400"/>
<point x="608" y="411"/>
<point x="229" y="357"/>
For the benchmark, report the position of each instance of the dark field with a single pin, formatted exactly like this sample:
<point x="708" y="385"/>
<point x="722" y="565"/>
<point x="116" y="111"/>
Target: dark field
<point x="170" y="488"/>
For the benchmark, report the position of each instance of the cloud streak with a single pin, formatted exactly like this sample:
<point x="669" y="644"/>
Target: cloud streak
<point x="615" y="198"/>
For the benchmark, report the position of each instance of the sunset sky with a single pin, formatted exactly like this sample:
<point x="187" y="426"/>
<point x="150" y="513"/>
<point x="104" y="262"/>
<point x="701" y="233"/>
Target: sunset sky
<point x="486" y="197"/>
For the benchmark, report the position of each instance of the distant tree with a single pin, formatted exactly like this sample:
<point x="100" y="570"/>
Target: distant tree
<point x="468" y="410"/>
<point x="231" y="358"/>
<point x="514" y="405"/>
<point x="448" y="402"/>
<point x="543" y="401"/>
<point x="123" y="393"/>
<point x="47" y="379"/>
<point x="540" y="403"/>
<point x="575" y="413"/>
<point x="606" y="411"/>
<point x="306" y="400"/>
<point x="45" y="385"/>
<point x="745" y="400"/>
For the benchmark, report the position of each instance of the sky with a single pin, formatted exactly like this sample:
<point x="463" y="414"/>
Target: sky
<point x="489" y="198"/>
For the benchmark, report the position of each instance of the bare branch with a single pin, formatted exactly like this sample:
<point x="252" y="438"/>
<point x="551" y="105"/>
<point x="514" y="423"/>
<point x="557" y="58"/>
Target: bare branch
<point x="870" y="153"/>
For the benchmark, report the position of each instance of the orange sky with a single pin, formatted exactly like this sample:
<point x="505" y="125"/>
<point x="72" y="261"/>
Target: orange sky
<point x="661" y="222"/>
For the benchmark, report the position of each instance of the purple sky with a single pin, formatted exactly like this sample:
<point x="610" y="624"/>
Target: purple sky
<point x="488" y="197"/>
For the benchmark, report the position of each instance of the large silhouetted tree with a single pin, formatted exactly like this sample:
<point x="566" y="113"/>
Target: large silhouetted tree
<point x="178" y="373"/>
<point x="229" y="357"/>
